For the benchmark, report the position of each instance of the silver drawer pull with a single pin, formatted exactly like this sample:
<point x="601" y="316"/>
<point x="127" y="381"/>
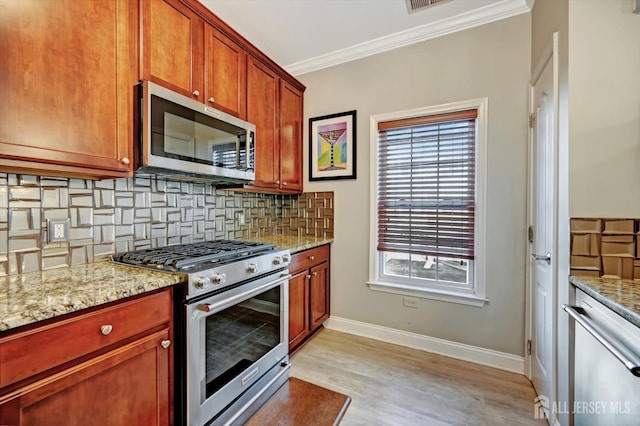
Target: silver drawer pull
<point x="165" y="343"/>
<point x="106" y="329"/>
<point x="311" y="257"/>
<point x="630" y="360"/>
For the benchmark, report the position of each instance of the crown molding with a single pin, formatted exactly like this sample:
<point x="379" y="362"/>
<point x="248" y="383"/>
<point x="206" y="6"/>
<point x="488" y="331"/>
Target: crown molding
<point x="491" y="13"/>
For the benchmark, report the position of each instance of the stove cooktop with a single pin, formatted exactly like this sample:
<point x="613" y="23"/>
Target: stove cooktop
<point x="194" y="256"/>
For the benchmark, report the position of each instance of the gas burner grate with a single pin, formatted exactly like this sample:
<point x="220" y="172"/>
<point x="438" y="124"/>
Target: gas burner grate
<point x="186" y="256"/>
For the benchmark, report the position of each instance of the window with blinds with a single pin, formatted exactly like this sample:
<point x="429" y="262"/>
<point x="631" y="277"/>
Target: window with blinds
<point x="426" y="197"/>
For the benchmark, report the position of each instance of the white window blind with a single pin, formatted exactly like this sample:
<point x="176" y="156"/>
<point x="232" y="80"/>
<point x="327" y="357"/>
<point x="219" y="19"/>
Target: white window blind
<point x="426" y="185"/>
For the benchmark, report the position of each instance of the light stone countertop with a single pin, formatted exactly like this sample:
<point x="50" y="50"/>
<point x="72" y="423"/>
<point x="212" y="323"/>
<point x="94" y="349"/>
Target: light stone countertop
<point x="293" y="243"/>
<point x="36" y="296"/>
<point x="621" y="296"/>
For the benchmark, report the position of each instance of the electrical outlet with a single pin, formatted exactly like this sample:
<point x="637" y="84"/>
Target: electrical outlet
<point x="410" y="302"/>
<point x="58" y="230"/>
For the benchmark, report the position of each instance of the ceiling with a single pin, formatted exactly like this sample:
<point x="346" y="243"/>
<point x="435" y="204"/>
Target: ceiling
<point x="307" y="35"/>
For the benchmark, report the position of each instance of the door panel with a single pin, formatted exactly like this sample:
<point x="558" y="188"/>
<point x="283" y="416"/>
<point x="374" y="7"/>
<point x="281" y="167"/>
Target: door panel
<point x="172" y="46"/>
<point x="298" y="307"/>
<point x="225" y="73"/>
<point x="319" y="294"/>
<point x="262" y="94"/>
<point x="543" y="191"/>
<point x="104" y="389"/>
<point x="290" y="137"/>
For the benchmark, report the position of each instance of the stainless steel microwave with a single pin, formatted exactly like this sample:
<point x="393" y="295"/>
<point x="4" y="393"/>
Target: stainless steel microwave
<point x="182" y="137"/>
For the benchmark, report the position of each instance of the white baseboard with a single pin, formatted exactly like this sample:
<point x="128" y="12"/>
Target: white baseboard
<point x="488" y="357"/>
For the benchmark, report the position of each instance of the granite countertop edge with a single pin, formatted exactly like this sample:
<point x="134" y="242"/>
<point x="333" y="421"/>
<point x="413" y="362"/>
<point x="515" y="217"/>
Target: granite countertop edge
<point x="600" y="290"/>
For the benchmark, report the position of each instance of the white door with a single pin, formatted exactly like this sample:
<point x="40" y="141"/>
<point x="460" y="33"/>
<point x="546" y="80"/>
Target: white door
<point x="543" y="194"/>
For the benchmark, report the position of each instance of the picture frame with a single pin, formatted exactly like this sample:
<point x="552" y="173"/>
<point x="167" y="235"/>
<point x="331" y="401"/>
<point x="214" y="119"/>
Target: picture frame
<point x="332" y="146"/>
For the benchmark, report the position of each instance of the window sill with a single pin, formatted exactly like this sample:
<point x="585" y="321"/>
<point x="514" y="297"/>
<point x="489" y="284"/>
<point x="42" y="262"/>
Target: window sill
<point x="426" y="293"/>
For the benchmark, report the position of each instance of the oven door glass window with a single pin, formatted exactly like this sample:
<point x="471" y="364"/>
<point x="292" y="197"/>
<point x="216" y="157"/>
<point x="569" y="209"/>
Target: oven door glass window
<point x="240" y="335"/>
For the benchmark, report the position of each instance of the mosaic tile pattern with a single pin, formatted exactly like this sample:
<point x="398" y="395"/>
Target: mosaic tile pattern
<point x="113" y="216"/>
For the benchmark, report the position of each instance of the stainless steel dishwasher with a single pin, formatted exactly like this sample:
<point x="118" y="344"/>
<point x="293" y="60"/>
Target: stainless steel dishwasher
<point x="607" y="365"/>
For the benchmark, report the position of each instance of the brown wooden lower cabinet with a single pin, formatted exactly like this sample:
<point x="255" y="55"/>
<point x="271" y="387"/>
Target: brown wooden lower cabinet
<point x="308" y="294"/>
<point x="124" y="384"/>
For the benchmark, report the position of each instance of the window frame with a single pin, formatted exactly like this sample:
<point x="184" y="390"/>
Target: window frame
<point x="472" y="296"/>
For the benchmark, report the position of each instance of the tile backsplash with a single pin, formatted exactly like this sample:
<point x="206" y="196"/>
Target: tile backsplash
<point x="112" y="216"/>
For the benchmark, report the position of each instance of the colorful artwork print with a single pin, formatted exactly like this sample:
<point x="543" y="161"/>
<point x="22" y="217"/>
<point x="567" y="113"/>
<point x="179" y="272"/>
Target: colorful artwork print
<point x="332" y="146"/>
<point x="332" y="154"/>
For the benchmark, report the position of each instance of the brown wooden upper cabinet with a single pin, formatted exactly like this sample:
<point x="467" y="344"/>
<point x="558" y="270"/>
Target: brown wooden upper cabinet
<point x="66" y="76"/>
<point x="186" y="54"/>
<point x="275" y="107"/>
<point x="172" y="52"/>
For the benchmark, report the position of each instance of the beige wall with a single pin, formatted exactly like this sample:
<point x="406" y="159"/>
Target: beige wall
<point x="493" y="61"/>
<point x="604" y="87"/>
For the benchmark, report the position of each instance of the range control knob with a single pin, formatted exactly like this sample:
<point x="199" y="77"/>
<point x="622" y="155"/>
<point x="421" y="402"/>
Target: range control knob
<point x="286" y="258"/>
<point x="277" y="260"/>
<point x="218" y="278"/>
<point x="202" y="282"/>
<point x="252" y="268"/>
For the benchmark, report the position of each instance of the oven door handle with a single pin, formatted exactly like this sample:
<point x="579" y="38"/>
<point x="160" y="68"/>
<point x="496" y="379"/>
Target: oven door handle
<point x="210" y="308"/>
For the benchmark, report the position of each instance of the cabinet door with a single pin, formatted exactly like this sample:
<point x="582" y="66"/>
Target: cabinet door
<point x="225" y="73"/>
<point x="262" y="110"/>
<point x="319" y="295"/>
<point x="172" y="52"/>
<point x="127" y="386"/>
<point x="66" y="77"/>
<point x="290" y="137"/>
<point x="298" y="308"/>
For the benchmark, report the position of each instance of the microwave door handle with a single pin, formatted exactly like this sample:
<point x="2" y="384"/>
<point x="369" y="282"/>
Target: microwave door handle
<point x="238" y="165"/>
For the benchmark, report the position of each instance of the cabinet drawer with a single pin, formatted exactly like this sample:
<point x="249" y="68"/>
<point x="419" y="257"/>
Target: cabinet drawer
<point x="308" y="258"/>
<point x="37" y="350"/>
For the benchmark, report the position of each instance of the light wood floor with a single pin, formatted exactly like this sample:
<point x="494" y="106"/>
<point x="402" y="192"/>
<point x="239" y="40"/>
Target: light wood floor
<point x="393" y="385"/>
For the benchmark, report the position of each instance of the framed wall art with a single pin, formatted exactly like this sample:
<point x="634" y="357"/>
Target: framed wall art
<point x="332" y="146"/>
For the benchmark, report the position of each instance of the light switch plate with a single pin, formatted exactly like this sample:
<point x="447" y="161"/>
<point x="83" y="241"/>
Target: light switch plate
<point x="58" y="230"/>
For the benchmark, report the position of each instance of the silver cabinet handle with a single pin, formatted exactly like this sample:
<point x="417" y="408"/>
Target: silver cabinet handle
<point x="284" y="183"/>
<point x="315" y="274"/>
<point x="165" y="343"/>
<point x="125" y="161"/>
<point x="308" y="277"/>
<point x="311" y="257"/>
<point x="106" y="329"/>
<point x="630" y="360"/>
<point x="546" y="257"/>
<point x="196" y="93"/>
<point x="211" y="99"/>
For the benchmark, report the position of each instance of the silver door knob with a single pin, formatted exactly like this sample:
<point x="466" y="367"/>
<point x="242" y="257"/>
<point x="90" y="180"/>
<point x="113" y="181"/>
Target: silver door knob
<point x="125" y="161"/>
<point x="196" y="93"/>
<point x="106" y="329"/>
<point x="211" y="99"/>
<point x="546" y="257"/>
<point x="165" y="343"/>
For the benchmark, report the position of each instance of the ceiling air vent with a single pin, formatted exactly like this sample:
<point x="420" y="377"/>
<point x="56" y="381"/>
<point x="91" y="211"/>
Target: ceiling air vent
<point x="417" y="5"/>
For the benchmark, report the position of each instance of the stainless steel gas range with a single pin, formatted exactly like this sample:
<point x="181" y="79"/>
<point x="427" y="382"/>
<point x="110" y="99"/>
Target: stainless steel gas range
<point x="235" y="322"/>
